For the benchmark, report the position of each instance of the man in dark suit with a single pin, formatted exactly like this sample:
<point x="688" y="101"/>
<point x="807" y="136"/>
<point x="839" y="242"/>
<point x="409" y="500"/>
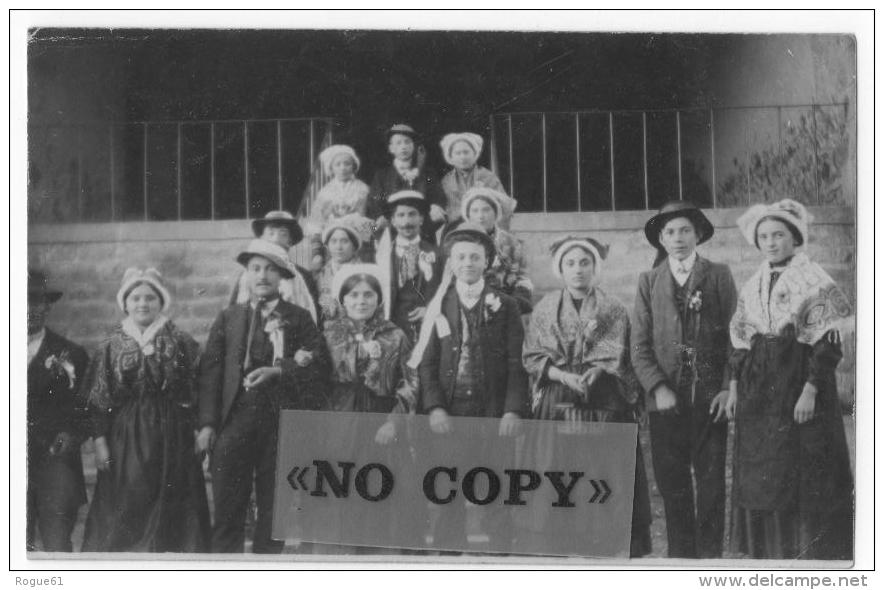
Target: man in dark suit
<point x="414" y="264"/>
<point x="680" y="351"/>
<point x="472" y="366"/>
<point x="261" y="356"/>
<point x="57" y="424"/>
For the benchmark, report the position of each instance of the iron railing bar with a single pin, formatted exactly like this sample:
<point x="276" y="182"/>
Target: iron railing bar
<point x="279" y="163"/>
<point x="245" y="166"/>
<point x="645" y="158"/>
<point x="816" y="162"/>
<point x="712" y="144"/>
<point x="577" y="152"/>
<point x="543" y="140"/>
<point x="212" y="166"/>
<point x="611" y="146"/>
<point x="311" y="165"/>
<point x="512" y="167"/>
<point x="112" y="159"/>
<point x="678" y="151"/>
<point x="79" y="173"/>
<point x="178" y="171"/>
<point x="144" y="175"/>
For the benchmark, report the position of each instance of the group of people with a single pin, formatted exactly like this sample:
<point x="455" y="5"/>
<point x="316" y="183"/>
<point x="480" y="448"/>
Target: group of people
<point x="415" y="305"/>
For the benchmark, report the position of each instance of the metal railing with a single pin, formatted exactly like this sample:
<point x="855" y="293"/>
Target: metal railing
<point x="115" y="178"/>
<point x="520" y="145"/>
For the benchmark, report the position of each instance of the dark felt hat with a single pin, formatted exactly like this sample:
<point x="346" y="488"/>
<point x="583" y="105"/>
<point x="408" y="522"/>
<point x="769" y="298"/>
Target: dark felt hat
<point x="280" y="218"/>
<point x="38" y="287"/>
<point x="672" y="210"/>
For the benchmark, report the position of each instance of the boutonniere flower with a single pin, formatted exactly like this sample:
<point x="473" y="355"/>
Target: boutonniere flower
<point x="492" y="302"/>
<point x="695" y="302"/>
<point x="425" y="261"/>
<point x="61" y="365"/>
<point x="275" y="326"/>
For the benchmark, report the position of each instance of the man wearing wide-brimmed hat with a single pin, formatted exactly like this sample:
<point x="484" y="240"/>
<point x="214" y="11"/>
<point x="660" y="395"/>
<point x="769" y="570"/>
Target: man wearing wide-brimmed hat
<point x="680" y="351"/>
<point x="282" y="229"/>
<point x="261" y="356"/>
<point x="57" y="424"/>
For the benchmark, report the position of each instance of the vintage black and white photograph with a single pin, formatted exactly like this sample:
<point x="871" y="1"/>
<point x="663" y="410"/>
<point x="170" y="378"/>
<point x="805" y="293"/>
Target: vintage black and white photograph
<point x="440" y="296"/>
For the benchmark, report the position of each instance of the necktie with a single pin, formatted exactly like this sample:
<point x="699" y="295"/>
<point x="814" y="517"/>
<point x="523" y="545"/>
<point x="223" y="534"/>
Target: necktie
<point x="407" y="262"/>
<point x="254" y="324"/>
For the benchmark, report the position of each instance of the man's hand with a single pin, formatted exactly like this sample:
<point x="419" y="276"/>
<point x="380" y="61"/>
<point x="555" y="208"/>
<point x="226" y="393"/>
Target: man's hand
<point x="510" y="425"/>
<point x="588" y="379"/>
<point x="385" y="434"/>
<point x="303" y="357"/>
<point x="102" y="454"/>
<point x="205" y="440"/>
<point x="440" y="423"/>
<point x="718" y="407"/>
<point x="806" y="404"/>
<point x="63" y="444"/>
<point x="437" y="213"/>
<point x="260" y="376"/>
<point x="417" y="314"/>
<point x="731" y="406"/>
<point x="666" y="399"/>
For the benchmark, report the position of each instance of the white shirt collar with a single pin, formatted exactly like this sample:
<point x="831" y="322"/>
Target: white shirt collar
<point x="268" y="308"/>
<point x="35" y="341"/>
<point x="681" y="269"/>
<point x="469" y="294"/>
<point x="405" y="242"/>
<point x="687" y="263"/>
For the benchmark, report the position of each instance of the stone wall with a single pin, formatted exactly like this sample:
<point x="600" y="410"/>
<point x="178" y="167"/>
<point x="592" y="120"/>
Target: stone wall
<point x="197" y="258"/>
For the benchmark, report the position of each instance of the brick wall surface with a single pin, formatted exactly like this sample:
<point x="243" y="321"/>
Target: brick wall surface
<point x="197" y="258"/>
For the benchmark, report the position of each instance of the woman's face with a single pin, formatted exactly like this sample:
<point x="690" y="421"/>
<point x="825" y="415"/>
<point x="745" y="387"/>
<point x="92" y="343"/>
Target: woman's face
<point x="143" y="305"/>
<point x="401" y="146"/>
<point x="340" y="246"/>
<point x="480" y="211"/>
<point x="361" y="302"/>
<point x="775" y="240"/>
<point x="578" y="268"/>
<point x="462" y="155"/>
<point x="343" y="167"/>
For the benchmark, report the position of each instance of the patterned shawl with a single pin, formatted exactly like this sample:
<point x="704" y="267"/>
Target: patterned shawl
<point x="124" y="367"/>
<point x="804" y="296"/>
<point x="376" y="356"/>
<point x="597" y="336"/>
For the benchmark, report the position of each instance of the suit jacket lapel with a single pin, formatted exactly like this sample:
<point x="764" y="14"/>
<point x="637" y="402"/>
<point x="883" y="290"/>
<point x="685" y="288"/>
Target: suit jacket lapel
<point x="664" y="291"/>
<point x="451" y="309"/>
<point x="239" y="330"/>
<point x="698" y="274"/>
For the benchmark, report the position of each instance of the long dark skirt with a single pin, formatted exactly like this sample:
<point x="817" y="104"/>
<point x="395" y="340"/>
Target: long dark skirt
<point x="153" y="496"/>
<point x="793" y="487"/>
<point x="554" y="395"/>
